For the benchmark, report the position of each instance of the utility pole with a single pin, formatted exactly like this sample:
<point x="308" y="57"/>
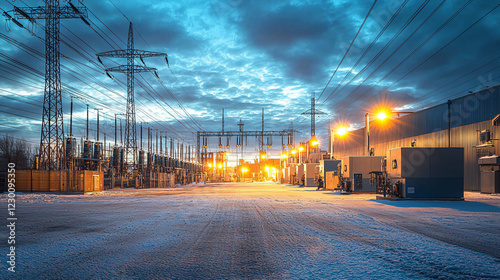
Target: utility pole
<point x="71" y="119"/>
<point x="149" y="139"/>
<point x="141" y="132"/>
<point x="130" y="69"/>
<point x="52" y="133"/>
<point x="240" y="127"/>
<point x="313" y="112"/>
<point x="166" y="151"/>
<point x="97" y="123"/>
<point x="161" y="144"/>
<point x="87" y="137"/>
<point x="172" y="147"/>
<point x="121" y="133"/>
<point x="262" y="136"/>
<point x="116" y="127"/>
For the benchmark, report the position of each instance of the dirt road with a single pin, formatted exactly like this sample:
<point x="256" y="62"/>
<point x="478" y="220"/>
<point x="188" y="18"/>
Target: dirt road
<point x="254" y="231"/>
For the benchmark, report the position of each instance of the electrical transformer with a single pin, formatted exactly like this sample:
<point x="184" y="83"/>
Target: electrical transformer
<point x="310" y="174"/>
<point x="300" y="174"/>
<point x="328" y="165"/>
<point x="426" y="173"/>
<point x="490" y="174"/>
<point x="356" y="172"/>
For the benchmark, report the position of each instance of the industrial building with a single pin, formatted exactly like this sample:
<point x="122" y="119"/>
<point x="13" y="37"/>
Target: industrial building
<point x="470" y="122"/>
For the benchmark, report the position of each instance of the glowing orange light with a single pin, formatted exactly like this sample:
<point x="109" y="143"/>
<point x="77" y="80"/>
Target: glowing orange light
<point x="293" y="152"/>
<point x="301" y="149"/>
<point x="382" y="115"/>
<point x="263" y="156"/>
<point x="209" y="165"/>
<point x="220" y="166"/>
<point x="284" y="156"/>
<point x="267" y="168"/>
<point x="315" y="143"/>
<point x="342" y="131"/>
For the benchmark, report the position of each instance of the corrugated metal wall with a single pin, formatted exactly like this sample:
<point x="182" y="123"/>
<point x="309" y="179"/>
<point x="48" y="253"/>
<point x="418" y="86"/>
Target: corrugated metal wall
<point x="429" y="128"/>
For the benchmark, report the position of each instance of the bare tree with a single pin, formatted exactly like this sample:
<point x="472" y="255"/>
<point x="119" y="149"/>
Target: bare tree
<point x="16" y="151"/>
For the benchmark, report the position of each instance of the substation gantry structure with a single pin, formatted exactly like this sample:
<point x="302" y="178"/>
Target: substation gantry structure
<point x="241" y="136"/>
<point x="203" y="135"/>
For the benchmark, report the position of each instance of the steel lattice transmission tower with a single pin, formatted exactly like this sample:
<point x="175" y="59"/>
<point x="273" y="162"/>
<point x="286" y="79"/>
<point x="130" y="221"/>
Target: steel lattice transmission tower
<point x="313" y="112"/>
<point x="130" y="69"/>
<point x="51" y="141"/>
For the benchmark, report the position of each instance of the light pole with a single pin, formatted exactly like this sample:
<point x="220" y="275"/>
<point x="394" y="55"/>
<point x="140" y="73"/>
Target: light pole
<point x="367" y="122"/>
<point x="293" y="152"/>
<point x="301" y="148"/>
<point x="284" y="158"/>
<point x="341" y="132"/>
<point x="381" y="115"/>
<point x="332" y="137"/>
<point x="311" y="144"/>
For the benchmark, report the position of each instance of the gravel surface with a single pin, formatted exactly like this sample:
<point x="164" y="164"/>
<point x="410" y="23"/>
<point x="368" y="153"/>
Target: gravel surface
<point x="252" y="231"/>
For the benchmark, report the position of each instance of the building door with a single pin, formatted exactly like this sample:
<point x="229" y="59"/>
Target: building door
<point x="95" y="182"/>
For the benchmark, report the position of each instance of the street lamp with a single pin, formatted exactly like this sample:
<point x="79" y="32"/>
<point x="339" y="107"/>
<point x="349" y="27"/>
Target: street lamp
<point x="314" y="143"/>
<point x="301" y="148"/>
<point x="293" y="152"/>
<point x="243" y="171"/>
<point x="340" y="132"/>
<point x="381" y="115"/>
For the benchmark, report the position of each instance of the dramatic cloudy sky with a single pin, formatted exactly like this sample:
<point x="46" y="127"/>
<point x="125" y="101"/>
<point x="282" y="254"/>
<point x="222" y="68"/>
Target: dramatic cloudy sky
<point x="247" y="55"/>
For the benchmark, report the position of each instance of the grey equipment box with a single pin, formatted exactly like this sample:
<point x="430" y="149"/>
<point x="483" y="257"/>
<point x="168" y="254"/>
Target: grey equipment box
<point x="357" y="169"/>
<point x="328" y="165"/>
<point x="490" y="174"/>
<point x="310" y="174"/>
<point x="428" y="173"/>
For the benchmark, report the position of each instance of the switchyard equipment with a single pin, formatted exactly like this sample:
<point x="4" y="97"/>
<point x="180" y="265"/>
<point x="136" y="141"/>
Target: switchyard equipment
<point x="310" y="173"/>
<point x="425" y="173"/>
<point x="490" y="174"/>
<point x="300" y="174"/>
<point x="355" y="172"/>
<point x="70" y="151"/>
<point x="328" y="168"/>
<point x="288" y="175"/>
<point x="328" y="165"/>
<point x="331" y="180"/>
<point x="292" y="174"/>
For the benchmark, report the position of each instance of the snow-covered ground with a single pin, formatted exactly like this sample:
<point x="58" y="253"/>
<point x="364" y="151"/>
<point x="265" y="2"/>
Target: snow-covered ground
<point x="252" y="230"/>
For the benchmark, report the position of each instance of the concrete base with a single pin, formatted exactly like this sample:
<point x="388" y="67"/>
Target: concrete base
<point x="380" y="197"/>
